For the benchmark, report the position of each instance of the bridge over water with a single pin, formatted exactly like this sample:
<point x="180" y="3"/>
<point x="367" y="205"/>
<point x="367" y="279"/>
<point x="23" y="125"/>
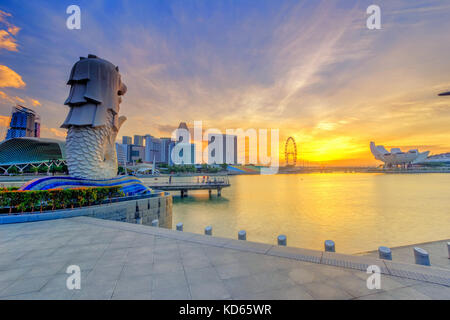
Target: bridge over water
<point x="200" y="183"/>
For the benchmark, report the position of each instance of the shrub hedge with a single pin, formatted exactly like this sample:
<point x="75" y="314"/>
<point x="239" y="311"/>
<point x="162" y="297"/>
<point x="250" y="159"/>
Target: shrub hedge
<point x="13" y="201"/>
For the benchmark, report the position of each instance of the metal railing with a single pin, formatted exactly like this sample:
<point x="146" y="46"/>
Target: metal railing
<point x="200" y="181"/>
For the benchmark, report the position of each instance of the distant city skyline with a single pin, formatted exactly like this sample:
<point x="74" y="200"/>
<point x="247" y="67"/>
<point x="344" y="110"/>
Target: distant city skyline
<point x="220" y="148"/>
<point x="311" y="69"/>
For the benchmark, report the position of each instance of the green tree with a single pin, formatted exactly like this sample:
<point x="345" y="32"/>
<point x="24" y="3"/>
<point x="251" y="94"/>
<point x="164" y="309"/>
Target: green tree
<point x="53" y="169"/>
<point x="65" y="169"/>
<point x="13" y="170"/>
<point x="42" y="169"/>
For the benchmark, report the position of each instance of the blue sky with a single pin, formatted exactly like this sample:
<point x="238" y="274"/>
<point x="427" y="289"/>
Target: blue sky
<point x="310" y="68"/>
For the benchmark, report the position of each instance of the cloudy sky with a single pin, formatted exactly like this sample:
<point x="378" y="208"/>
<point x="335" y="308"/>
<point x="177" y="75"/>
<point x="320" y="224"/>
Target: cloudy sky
<point x="311" y="69"/>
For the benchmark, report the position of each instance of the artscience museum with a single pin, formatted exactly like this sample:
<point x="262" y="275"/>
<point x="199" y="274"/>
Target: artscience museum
<point x="397" y="157"/>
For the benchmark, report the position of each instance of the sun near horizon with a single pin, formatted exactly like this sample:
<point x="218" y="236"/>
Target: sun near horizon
<point x="312" y="70"/>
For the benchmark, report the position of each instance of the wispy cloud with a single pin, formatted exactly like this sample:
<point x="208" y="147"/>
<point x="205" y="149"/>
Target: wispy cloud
<point x="10" y="78"/>
<point x="53" y="132"/>
<point x="310" y="68"/>
<point x="10" y="99"/>
<point x="7" y="35"/>
<point x="4" y="121"/>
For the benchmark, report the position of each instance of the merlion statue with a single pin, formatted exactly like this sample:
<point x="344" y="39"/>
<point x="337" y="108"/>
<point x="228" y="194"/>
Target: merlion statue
<point x="93" y="123"/>
<point x="93" y="120"/>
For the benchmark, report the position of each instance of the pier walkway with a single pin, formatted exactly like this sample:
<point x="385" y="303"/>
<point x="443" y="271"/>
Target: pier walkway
<point x="127" y="261"/>
<point x="211" y="183"/>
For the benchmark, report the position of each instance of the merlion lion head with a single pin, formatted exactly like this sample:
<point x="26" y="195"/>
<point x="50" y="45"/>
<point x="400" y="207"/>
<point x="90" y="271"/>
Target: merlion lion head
<point x="96" y="88"/>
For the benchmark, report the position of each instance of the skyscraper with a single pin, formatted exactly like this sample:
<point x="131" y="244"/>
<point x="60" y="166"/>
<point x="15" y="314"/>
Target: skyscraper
<point x="122" y="153"/>
<point x="181" y="158"/>
<point x="184" y="152"/>
<point x="24" y="123"/>
<point x="228" y="148"/>
<point x="37" y="127"/>
<point x="165" y="145"/>
<point x="127" y="140"/>
<point x="152" y="149"/>
<point x="139" y="140"/>
<point x="137" y="153"/>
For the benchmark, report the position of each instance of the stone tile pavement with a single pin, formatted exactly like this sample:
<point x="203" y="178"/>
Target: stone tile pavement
<point x="126" y="261"/>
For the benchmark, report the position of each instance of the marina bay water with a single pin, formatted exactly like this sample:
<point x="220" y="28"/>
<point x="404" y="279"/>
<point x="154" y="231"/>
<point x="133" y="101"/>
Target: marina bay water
<point x="359" y="211"/>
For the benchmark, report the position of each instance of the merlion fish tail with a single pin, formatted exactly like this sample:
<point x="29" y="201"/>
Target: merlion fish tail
<point x="90" y="151"/>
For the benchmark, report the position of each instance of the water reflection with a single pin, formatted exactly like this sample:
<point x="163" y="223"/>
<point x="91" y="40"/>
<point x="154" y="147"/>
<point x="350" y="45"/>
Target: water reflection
<point x="358" y="211"/>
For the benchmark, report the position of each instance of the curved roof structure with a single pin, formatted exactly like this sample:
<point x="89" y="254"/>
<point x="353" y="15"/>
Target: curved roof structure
<point x="31" y="150"/>
<point x="397" y="156"/>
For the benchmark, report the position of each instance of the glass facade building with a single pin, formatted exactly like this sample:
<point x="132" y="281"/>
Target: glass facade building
<point x="24" y="123"/>
<point x="127" y="140"/>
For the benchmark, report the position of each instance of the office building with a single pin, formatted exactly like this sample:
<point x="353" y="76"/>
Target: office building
<point x="24" y="123"/>
<point x="127" y="140"/>
<point x="182" y="158"/>
<point x="123" y="151"/>
<point x="152" y="149"/>
<point x="139" y="140"/>
<point x="228" y="149"/>
<point x="137" y="153"/>
<point x="181" y="135"/>
<point x="165" y="145"/>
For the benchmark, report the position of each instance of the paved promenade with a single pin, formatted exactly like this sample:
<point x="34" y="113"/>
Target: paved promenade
<point x="126" y="261"/>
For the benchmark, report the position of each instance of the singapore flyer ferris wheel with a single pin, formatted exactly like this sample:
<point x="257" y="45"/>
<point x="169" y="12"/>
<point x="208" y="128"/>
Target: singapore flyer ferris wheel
<point x="290" y="152"/>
